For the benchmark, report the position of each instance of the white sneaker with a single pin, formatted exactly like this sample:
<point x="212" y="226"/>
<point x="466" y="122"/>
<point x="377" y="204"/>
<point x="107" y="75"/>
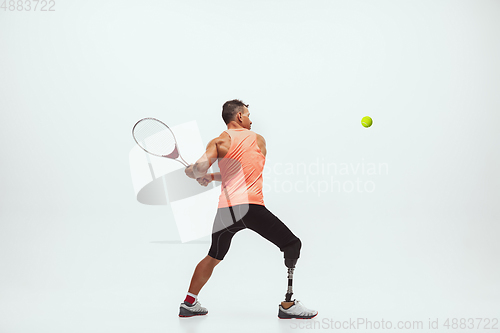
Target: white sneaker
<point x="196" y="309"/>
<point x="297" y="310"/>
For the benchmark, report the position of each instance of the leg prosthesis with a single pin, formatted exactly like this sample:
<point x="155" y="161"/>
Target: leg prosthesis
<point x="291" y="254"/>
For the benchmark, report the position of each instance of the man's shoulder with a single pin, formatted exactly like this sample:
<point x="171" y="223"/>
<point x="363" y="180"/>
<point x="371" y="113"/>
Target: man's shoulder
<point x="260" y="137"/>
<point x="223" y="137"/>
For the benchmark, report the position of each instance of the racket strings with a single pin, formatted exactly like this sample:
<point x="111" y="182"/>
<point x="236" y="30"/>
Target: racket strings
<point x="154" y="137"/>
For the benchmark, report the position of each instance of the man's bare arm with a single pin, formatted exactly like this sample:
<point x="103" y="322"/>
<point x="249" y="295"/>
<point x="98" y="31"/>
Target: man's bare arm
<point x="208" y="178"/>
<point x="214" y="176"/>
<point x="200" y="168"/>
<point x="261" y="142"/>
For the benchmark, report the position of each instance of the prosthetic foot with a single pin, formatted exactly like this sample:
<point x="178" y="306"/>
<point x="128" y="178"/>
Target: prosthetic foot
<point x="297" y="310"/>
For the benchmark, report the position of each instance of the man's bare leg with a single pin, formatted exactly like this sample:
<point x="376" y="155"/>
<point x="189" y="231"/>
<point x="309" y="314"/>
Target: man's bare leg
<point x="202" y="273"/>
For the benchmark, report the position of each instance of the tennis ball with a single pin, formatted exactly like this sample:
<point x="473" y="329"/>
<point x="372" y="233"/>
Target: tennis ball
<point x="366" y="121"/>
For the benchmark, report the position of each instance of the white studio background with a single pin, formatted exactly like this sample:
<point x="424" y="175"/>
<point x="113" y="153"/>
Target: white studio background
<point x="415" y="239"/>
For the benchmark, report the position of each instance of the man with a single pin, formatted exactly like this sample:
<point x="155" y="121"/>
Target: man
<point x="241" y="155"/>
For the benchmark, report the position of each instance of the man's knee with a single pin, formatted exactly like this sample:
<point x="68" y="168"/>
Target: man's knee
<point x="291" y="253"/>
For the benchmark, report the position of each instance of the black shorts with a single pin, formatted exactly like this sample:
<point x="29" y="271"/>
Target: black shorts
<point x="254" y="217"/>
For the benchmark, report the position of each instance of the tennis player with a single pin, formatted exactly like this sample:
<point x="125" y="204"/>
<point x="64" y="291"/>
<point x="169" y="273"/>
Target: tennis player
<point x="241" y="154"/>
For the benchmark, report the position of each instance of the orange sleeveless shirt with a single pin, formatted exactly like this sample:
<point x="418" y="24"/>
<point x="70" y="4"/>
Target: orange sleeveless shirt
<point x="241" y="170"/>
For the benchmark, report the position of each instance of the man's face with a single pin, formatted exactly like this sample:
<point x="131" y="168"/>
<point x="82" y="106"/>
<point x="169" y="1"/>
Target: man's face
<point x="245" y="118"/>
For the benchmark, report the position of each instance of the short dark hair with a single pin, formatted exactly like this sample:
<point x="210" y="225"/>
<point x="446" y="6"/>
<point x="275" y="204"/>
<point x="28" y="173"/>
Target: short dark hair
<point x="231" y="108"/>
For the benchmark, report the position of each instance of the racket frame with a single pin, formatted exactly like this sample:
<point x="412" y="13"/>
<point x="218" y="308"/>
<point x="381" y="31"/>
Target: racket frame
<point x="173" y="155"/>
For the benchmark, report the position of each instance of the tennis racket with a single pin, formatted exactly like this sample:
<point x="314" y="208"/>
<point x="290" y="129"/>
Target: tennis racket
<point x="156" y="138"/>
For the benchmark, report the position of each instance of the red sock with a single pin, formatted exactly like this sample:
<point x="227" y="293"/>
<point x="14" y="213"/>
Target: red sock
<point x="190" y="299"/>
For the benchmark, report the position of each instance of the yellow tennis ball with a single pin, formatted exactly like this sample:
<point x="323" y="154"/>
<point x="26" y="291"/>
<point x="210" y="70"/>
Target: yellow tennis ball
<point x="366" y="121"/>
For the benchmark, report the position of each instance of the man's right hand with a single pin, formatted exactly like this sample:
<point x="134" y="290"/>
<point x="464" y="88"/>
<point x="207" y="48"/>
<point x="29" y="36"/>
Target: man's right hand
<point x="205" y="180"/>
